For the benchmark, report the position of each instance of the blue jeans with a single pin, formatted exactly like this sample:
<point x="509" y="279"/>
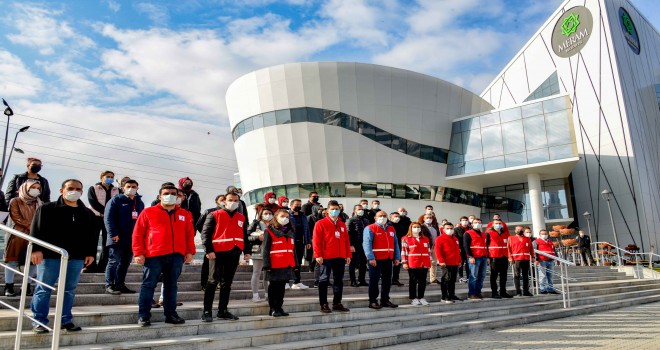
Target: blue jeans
<point x="383" y="268"/>
<point x="545" y="276"/>
<point x="9" y="274"/>
<point x="477" y="276"/>
<point x="170" y="266"/>
<point x="48" y="272"/>
<point x="119" y="259"/>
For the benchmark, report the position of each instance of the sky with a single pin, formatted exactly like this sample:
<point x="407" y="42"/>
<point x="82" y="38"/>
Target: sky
<point x="137" y="87"/>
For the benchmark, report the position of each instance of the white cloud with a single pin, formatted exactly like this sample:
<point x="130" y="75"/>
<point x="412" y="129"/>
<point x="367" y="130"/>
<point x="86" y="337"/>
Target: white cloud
<point x="114" y="5"/>
<point x="39" y="28"/>
<point x="71" y="81"/>
<point x="158" y="14"/>
<point x="16" y="80"/>
<point x="361" y="21"/>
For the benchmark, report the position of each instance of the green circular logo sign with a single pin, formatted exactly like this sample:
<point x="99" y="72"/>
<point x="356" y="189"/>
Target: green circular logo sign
<point x="629" y="30"/>
<point x="572" y="31"/>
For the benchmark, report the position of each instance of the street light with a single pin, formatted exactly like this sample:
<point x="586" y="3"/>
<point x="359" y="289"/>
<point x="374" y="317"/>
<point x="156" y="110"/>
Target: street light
<point x="8" y="112"/>
<point x="587" y="216"/>
<point x="6" y="166"/>
<point x="606" y="194"/>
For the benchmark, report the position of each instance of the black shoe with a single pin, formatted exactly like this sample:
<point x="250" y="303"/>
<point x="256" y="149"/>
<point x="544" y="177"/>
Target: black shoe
<point x="544" y="292"/>
<point x="30" y="291"/>
<point x="436" y="282"/>
<point x="528" y="294"/>
<point x="70" y="327"/>
<point x="325" y="309"/>
<point x="9" y="291"/>
<point x="174" y="320"/>
<point x="495" y="296"/>
<point x="375" y="306"/>
<point x="144" y="322"/>
<point x="226" y="315"/>
<point x="506" y="295"/>
<point x="397" y="283"/>
<point x="339" y="307"/>
<point x="207" y="316"/>
<point x="455" y="298"/>
<point x="125" y="290"/>
<point x="480" y="296"/>
<point x="111" y="290"/>
<point x="276" y="314"/>
<point x="40" y="329"/>
<point x="554" y="292"/>
<point x="354" y="284"/>
<point x="363" y="284"/>
<point x="283" y="313"/>
<point x="389" y="304"/>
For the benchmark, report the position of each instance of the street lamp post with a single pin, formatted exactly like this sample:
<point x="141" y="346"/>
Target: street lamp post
<point x="587" y="216"/>
<point x="8" y="112"/>
<point x="5" y="166"/>
<point x="606" y="194"/>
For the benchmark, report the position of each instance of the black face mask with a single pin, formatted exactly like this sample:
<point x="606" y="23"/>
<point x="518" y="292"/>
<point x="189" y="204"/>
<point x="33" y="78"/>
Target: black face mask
<point x="519" y="233"/>
<point x="187" y="186"/>
<point x="35" y="169"/>
<point x="296" y="209"/>
<point x="315" y="199"/>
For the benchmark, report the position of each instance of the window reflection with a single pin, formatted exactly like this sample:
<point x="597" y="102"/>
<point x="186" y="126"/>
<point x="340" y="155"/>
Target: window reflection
<point x="491" y="138"/>
<point x="535" y="132"/>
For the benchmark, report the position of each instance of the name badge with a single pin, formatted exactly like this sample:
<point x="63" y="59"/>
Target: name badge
<point x="134" y="215"/>
<point x="426" y="245"/>
<point x="391" y="234"/>
<point x="240" y="224"/>
<point x="337" y="234"/>
<point x="526" y="244"/>
<point x="342" y="229"/>
<point x="505" y="240"/>
<point x="182" y="218"/>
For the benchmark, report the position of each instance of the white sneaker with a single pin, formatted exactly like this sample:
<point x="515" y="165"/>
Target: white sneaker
<point x="255" y="298"/>
<point x="299" y="286"/>
<point x="423" y="302"/>
<point x="286" y="286"/>
<point x="415" y="302"/>
<point x="447" y="301"/>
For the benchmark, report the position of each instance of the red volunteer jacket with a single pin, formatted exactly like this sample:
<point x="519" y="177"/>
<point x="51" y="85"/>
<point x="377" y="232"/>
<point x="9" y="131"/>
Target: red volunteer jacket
<point x="228" y="231"/>
<point x="520" y="248"/>
<point x="416" y="252"/>
<point x="546" y="247"/>
<point x="383" y="243"/>
<point x="281" y="251"/>
<point x="497" y="246"/>
<point x="330" y="240"/>
<point x="478" y="244"/>
<point x="505" y="228"/>
<point x="448" y="250"/>
<point x="158" y="232"/>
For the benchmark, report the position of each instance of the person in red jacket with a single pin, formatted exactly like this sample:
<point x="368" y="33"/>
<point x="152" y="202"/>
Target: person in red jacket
<point x="224" y="237"/>
<point x="381" y="248"/>
<point x="163" y="240"/>
<point x="546" y="265"/>
<point x="496" y="217"/>
<point x="448" y="253"/>
<point x="521" y="252"/>
<point x="270" y="202"/>
<point x="416" y="258"/>
<point x="499" y="259"/>
<point x="476" y="243"/>
<point x="332" y="251"/>
<point x="280" y="261"/>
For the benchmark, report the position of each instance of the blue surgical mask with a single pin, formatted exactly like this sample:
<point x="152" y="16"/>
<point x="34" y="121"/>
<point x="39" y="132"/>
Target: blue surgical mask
<point x="334" y="212"/>
<point x="498" y="227"/>
<point x="109" y="181"/>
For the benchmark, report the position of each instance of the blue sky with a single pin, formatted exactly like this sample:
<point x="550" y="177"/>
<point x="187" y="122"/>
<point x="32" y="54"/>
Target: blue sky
<point x="157" y="71"/>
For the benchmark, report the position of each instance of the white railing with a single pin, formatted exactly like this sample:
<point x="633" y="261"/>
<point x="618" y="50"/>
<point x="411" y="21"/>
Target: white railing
<point x="59" y="300"/>
<point x="611" y="254"/>
<point x="562" y="274"/>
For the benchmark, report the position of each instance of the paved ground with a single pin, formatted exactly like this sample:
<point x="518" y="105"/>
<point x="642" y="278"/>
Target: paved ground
<point x="629" y="328"/>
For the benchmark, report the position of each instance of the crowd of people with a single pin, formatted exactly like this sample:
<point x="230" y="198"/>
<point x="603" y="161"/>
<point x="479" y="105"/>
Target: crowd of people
<point x="285" y="236"/>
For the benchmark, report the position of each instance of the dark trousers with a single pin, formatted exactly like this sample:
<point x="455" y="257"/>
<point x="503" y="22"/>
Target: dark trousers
<point x="382" y="269"/>
<point x="586" y="253"/>
<point x="119" y="259"/>
<point x="300" y="250"/>
<point x="499" y="269"/>
<point x="221" y="271"/>
<point x="205" y="272"/>
<point x="521" y="271"/>
<point x="358" y="261"/>
<point x="464" y="266"/>
<point x="99" y="265"/>
<point x="276" y="295"/>
<point x="417" y="283"/>
<point x="334" y="267"/>
<point x="170" y="266"/>
<point x="448" y="281"/>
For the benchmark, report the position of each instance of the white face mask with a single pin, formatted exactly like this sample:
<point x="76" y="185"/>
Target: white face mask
<point x="168" y="199"/>
<point x="416" y="229"/>
<point x="271" y="200"/>
<point x="581" y="233"/>
<point x="449" y="232"/>
<point x="381" y="220"/>
<point x="360" y="212"/>
<point x="285" y="204"/>
<point x="34" y="192"/>
<point x="130" y="191"/>
<point x="476" y="226"/>
<point x="429" y="211"/>
<point x="464" y="223"/>
<point x="376" y="206"/>
<point x="231" y="206"/>
<point x="527" y="234"/>
<point x="283" y="220"/>
<point x="428" y="221"/>
<point x="544" y="237"/>
<point x="267" y="217"/>
<point x="403" y="213"/>
<point x="72" y="196"/>
<point x="179" y="201"/>
<point x="470" y="220"/>
<point x="396" y="220"/>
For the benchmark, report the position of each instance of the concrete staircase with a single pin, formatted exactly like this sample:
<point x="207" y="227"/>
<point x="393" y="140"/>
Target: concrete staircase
<point x="110" y="322"/>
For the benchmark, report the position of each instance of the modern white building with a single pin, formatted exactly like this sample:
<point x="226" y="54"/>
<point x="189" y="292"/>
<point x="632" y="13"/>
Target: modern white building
<point x="575" y="112"/>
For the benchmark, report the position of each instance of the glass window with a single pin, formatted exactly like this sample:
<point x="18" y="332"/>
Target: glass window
<point x="490" y="119"/>
<point x="305" y="189"/>
<point x="456" y="143"/>
<point x="515" y="159"/>
<point x="383" y="137"/>
<point x="337" y="189"/>
<point x="494" y="163"/>
<point x="240" y="129"/>
<point x="331" y="118"/>
<point x="562" y="152"/>
<point x="412" y="192"/>
<point x="384" y="190"/>
<point x="399" y="144"/>
<point x="369" y="190"/>
<point x="535" y="132"/>
<point x="258" y="121"/>
<point x="413" y="149"/>
<point x="253" y="197"/>
<point x="247" y="125"/>
<point x="315" y="115"/>
<point x="234" y="134"/>
<point x="491" y="139"/>
<point x="474" y="166"/>
<point x="558" y="130"/>
<point x="269" y="119"/>
<point x="537" y="156"/>
<point x="556" y="104"/>
<point x="471" y="124"/>
<point x="293" y="193"/>
<point x="510" y="115"/>
<point x="451" y="195"/>
<point x="455" y="158"/>
<point x="349" y="122"/>
<point x="513" y="135"/>
<point x="368" y="130"/>
<point x="456" y="127"/>
<point x="280" y="191"/>
<point x="473" y="149"/>
<point x="353" y="190"/>
<point x="439" y="155"/>
<point x="532" y="110"/>
<point x="427" y="192"/>
<point x="426" y="152"/>
<point x="399" y="191"/>
<point x="298" y="115"/>
<point x="283" y="116"/>
<point x="323" y="188"/>
<point x="455" y="169"/>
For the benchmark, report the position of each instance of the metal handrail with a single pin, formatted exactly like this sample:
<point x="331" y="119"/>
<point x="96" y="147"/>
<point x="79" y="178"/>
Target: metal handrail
<point x="628" y="256"/>
<point x="563" y="275"/>
<point x="59" y="300"/>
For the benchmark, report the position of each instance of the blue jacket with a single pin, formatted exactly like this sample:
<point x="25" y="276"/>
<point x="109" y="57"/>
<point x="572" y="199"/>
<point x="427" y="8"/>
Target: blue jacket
<point x="368" y="238"/>
<point x="307" y="238"/>
<point x="118" y="218"/>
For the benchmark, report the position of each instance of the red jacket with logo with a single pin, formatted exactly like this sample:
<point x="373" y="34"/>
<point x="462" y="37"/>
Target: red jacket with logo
<point x="448" y="250"/>
<point x="415" y="252"/>
<point x="330" y="240"/>
<point x="228" y="231"/>
<point x="520" y="248"/>
<point x="383" y="243"/>
<point x="158" y="232"/>
<point x="546" y="247"/>
<point x="477" y="244"/>
<point x="281" y="251"/>
<point x="497" y="246"/>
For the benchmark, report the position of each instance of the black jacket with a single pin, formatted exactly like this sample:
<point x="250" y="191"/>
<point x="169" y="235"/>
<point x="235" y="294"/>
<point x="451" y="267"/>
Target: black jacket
<point x="355" y="226"/>
<point x="193" y="204"/>
<point x="459" y="231"/>
<point x="584" y="242"/>
<point x="71" y="228"/>
<point x="19" y="179"/>
<point x="209" y="229"/>
<point x="199" y="224"/>
<point x="118" y="219"/>
<point x="310" y="208"/>
<point x="402" y="227"/>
